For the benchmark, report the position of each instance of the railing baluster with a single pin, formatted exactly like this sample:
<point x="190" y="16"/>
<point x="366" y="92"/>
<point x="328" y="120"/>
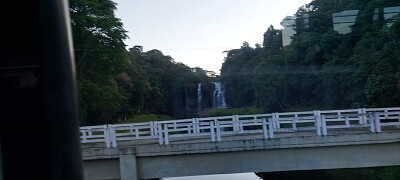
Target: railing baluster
<point x="364" y="111"/>
<point x="294" y="120"/>
<point x="195" y="126"/>
<point x="318" y="124"/>
<point x="137" y="133"/>
<point x="107" y="136"/>
<point x="377" y="123"/>
<point x="360" y="116"/>
<point x="317" y="114"/>
<point x="160" y="134"/>
<point x="166" y="134"/>
<point x="270" y="128"/>
<point x="113" y="136"/>
<point x="347" y="121"/>
<point x="234" y="122"/>
<point x="152" y="129"/>
<point x="218" y="131"/>
<point x="212" y="131"/>
<point x="83" y="136"/>
<point x="276" y="120"/>
<point x="371" y="122"/>
<point x="265" y="130"/>
<point x="324" y="126"/>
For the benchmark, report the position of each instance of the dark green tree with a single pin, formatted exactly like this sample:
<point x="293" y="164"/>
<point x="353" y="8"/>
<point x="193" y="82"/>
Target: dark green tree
<point x="100" y="57"/>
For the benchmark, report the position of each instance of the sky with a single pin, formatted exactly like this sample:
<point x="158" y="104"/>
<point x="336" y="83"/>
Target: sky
<point x="196" y="32"/>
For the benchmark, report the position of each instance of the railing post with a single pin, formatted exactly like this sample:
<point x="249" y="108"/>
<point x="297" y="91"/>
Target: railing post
<point x="360" y="116"/>
<point x="131" y="129"/>
<point x="317" y="113"/>
<point x="364" y="112"/>
<point x="371" y="122"/>
<point x="265" y="130"/>
<point x="270" y="128"/>
<point x="152" y="128"/>
<point x="377" y="122"/>
<point x="347" y="120"/>
<point x="324" y="127"/>
<point x="275" y="118"/>
<point x="218" y="129"/>
<point x="156" y="130"/>
<point x="159" y="132"/>
<point x="240" y="125"/>
<point x="212" y="128"/>
<point x="234" y="122"/>
<point x="195" y="126"/>
<point x="137" y="133"/>
<point x="166" y="134"/>
<point x="113" y="136"/>
<point x="317" y="124"/>
<point x="190" y="128"/>
<point x="84" y="135"/>
<point x="107" y="136"/>
<point x="294" y="126"/>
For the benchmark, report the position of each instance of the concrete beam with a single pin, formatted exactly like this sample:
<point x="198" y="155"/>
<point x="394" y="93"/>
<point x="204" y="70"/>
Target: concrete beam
<point x="246" y="155"/>
<point x="333" y="157"/>
<point x="251" y="143"/>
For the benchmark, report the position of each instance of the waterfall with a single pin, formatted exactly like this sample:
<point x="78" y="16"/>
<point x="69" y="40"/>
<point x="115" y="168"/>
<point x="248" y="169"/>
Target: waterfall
<point x="199" y="96"/>
<point x="219" y="96"/>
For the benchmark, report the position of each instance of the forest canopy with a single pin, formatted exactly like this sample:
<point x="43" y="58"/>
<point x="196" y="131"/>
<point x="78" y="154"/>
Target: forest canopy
<point x="321" y="68"/>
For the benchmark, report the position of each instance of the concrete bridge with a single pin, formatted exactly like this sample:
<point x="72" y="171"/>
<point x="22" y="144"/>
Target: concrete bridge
<point x="351" y="138"/>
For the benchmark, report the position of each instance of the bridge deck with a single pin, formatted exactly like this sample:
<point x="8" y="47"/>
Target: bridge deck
<point x="240" y="137"/>
<point x="285" y="152"/>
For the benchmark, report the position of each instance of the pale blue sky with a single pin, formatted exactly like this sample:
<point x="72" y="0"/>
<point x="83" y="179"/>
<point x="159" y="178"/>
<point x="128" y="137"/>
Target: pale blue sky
<point x="196" y="32"/>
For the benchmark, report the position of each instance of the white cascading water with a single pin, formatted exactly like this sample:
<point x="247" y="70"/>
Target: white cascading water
<point x="219" y="96"/>
<point x="199" y="96"/>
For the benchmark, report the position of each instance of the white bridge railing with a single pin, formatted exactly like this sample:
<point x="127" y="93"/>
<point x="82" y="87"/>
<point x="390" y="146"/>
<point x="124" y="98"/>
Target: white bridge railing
<point x="266" y="125"/>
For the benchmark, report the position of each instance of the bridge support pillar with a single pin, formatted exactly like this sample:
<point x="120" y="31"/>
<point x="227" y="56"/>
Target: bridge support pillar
<point x="128" y="167"/>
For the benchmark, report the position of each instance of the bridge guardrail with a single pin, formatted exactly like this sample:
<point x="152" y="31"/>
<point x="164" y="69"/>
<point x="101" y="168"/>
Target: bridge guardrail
<point x="266" y="125"/>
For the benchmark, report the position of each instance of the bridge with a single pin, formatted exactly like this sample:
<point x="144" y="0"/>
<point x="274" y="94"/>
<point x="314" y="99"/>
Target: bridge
<point x="351" y="138"/>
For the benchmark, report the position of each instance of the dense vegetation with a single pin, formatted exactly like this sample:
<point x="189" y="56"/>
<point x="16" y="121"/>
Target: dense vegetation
<point x="320" y="68"/>
<point x="115" y="83"/>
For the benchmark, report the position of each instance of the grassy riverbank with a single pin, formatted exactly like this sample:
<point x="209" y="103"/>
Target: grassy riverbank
<point x="231" y="111"/>
<point x="145" y="118"/>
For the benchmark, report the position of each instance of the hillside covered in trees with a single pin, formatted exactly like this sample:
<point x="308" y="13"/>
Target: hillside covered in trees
<point x="114" y="82"/>
<point x="321" y="68"/>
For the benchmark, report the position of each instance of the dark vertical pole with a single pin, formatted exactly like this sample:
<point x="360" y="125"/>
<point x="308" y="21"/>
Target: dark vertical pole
<point x="39" y="131"/>
<point x="59" y="89"/>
